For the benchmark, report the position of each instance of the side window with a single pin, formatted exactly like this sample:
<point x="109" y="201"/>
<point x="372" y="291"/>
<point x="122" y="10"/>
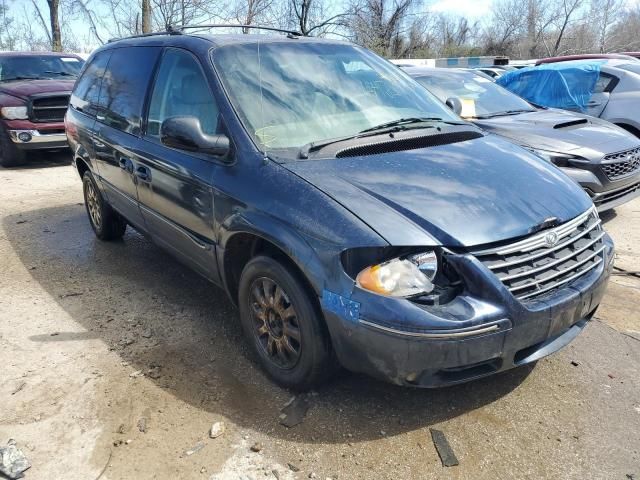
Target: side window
<point x="85" y="94"/>
<point x="124" y="87"/>
<point x="605" y="83"/>
<point x="181" y="89"/>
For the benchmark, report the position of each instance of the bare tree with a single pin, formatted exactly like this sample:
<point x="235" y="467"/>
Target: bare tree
<point x="379" y="24"/>
<point x="176" y="12"/>
<point x="604" y="15"/>
<point x="312" y="18"/>
<point x="82" y="8"/>
<point x="504" y="30"/>
<point x="251" y="12"/>
<point x="7" y="28"/>
<point x="146" y="16"/>
<point x="568" y="9"/>
<point x="56" y="37"/>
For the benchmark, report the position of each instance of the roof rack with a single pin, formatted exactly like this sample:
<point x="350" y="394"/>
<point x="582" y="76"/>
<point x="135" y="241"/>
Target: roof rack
<point x="290" y="33"/>
<point x="169" y="31"/>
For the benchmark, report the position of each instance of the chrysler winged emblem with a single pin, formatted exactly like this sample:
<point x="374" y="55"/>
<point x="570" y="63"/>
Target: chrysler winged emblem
<point x="550" y="239"/>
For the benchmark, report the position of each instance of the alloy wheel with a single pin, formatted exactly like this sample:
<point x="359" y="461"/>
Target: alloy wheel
<point x="93" y="205"/>
<point x="275" y="322"/>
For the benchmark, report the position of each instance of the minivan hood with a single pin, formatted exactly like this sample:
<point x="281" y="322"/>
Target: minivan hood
<point x="463" y="194"/>
<point x="25" y="88"/>
<point x="553" y="130"/>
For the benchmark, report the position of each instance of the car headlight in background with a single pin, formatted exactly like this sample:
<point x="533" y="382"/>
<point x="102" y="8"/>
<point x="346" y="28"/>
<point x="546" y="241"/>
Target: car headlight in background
<point x="14" y="113"/>
<point x="557" y="158"/>
<point x="401" y="277"/>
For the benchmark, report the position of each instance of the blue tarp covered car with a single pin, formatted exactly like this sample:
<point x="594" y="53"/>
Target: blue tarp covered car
<point x="560" y="85"/>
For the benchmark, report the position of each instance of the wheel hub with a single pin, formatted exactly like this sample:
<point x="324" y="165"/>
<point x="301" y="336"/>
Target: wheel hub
<point x="275" y="324"/>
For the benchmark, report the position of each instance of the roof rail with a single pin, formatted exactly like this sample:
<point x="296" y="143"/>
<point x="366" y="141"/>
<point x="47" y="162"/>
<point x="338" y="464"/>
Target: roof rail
<point x="169" y="31"/>
<point x="290" y="33"/>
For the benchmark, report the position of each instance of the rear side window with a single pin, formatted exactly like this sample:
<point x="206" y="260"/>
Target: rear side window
<point x="87" y="90"/>
<point x="605" y="83"/>
<point x="181" y="89"/>
<point x="124" y="87"/>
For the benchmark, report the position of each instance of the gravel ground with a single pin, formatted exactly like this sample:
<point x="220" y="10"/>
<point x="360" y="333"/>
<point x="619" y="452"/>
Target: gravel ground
<point x="115" y="360"/>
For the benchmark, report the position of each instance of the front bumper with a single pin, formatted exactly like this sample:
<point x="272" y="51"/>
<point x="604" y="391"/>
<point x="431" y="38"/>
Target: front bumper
<point x="484" y="331"/>
<point x="605" y="194"/>
<point x="37" y="139"/>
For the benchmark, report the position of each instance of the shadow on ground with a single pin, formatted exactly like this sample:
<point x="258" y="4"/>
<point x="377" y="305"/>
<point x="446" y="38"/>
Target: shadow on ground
<point x="184" y="333"/>
<point x="608" y="215"/>
<point x="42" y="159"/>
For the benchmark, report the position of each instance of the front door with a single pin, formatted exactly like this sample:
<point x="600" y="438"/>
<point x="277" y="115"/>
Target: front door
<point x="177" y="198"/>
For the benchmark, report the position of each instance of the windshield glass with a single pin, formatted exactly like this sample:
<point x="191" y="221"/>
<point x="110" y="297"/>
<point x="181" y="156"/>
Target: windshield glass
<point x="313" y="92"/>
<point x="479" y="96"/>
<point x="36" y="66"/>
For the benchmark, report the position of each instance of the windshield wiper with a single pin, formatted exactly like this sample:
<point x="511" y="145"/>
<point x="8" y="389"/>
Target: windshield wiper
<point x="401" y="123"/>
<point x="502" y="114"/>
<point x="387" y="127"/>
<point x="65" y="74"/>
<point x="23" y="78"/>
<point x="307" y="148"/>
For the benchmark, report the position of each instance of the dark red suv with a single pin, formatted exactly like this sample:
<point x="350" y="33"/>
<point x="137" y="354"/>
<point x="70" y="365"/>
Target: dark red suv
<point x="34" y="94"/>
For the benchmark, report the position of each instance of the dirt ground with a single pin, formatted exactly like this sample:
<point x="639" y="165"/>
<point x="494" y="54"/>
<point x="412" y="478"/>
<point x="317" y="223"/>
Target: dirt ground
<point x="99" y="341"/>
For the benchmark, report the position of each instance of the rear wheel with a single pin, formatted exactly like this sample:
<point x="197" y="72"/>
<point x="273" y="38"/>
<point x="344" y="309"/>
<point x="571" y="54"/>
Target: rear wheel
<point x="106" y="223"/>
<point x="283" y="325"/>
<point x="10" y="155"/>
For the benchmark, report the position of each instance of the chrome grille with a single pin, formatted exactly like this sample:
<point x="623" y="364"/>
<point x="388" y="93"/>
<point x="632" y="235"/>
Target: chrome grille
<point x="621" y="164"/>
<point x="536" y="265"/>
<point x="49" y="109"/>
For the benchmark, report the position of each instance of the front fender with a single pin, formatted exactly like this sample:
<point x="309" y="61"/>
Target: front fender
<point x="283" y="236"/>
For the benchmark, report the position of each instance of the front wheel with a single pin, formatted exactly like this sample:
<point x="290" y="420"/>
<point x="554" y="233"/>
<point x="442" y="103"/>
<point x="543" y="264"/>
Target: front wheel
<point x="106" y="223"/>
<point x="283" y="325"/>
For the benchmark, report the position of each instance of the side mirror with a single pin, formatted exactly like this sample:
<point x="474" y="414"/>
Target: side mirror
<point x="454" y="104"/>
<point x="185" y="133"/>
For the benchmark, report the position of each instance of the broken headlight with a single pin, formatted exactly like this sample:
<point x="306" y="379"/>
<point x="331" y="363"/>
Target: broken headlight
<point x="407" y="276"/>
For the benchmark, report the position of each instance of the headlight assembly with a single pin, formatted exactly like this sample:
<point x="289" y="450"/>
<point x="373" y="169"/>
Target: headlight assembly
<point x="401" y="277"/>
<point x="557" y="158"/>
<point x="14" y="113"/>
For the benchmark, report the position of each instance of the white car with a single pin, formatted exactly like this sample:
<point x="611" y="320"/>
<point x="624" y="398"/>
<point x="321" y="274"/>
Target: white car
<point x="615" y="96"/>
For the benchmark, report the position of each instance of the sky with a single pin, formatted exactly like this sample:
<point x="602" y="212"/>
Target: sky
<point x="474" y="10"/>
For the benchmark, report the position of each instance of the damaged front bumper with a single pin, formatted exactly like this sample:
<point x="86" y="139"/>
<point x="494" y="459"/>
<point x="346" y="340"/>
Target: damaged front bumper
<point x="483" y="331"/>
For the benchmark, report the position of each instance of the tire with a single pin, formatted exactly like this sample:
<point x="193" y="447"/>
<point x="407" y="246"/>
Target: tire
<point x="107" y="224"/>
<point x="283" y="325"/>
<point x="10" y="155"/>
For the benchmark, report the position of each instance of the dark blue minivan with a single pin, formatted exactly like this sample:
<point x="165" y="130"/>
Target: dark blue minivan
<point x="352" y="217"/>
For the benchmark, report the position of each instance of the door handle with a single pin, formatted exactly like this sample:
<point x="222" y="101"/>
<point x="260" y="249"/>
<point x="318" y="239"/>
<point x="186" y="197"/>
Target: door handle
<point x="125" y="164"/>
<point x="144" y="174"/>
<point x="594" y="104"/>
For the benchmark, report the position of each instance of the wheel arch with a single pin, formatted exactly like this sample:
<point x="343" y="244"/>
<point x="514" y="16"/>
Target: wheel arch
<point x="81" y="166"/>
<point x="244" y="239"/>
<point x="629" y="128"/>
